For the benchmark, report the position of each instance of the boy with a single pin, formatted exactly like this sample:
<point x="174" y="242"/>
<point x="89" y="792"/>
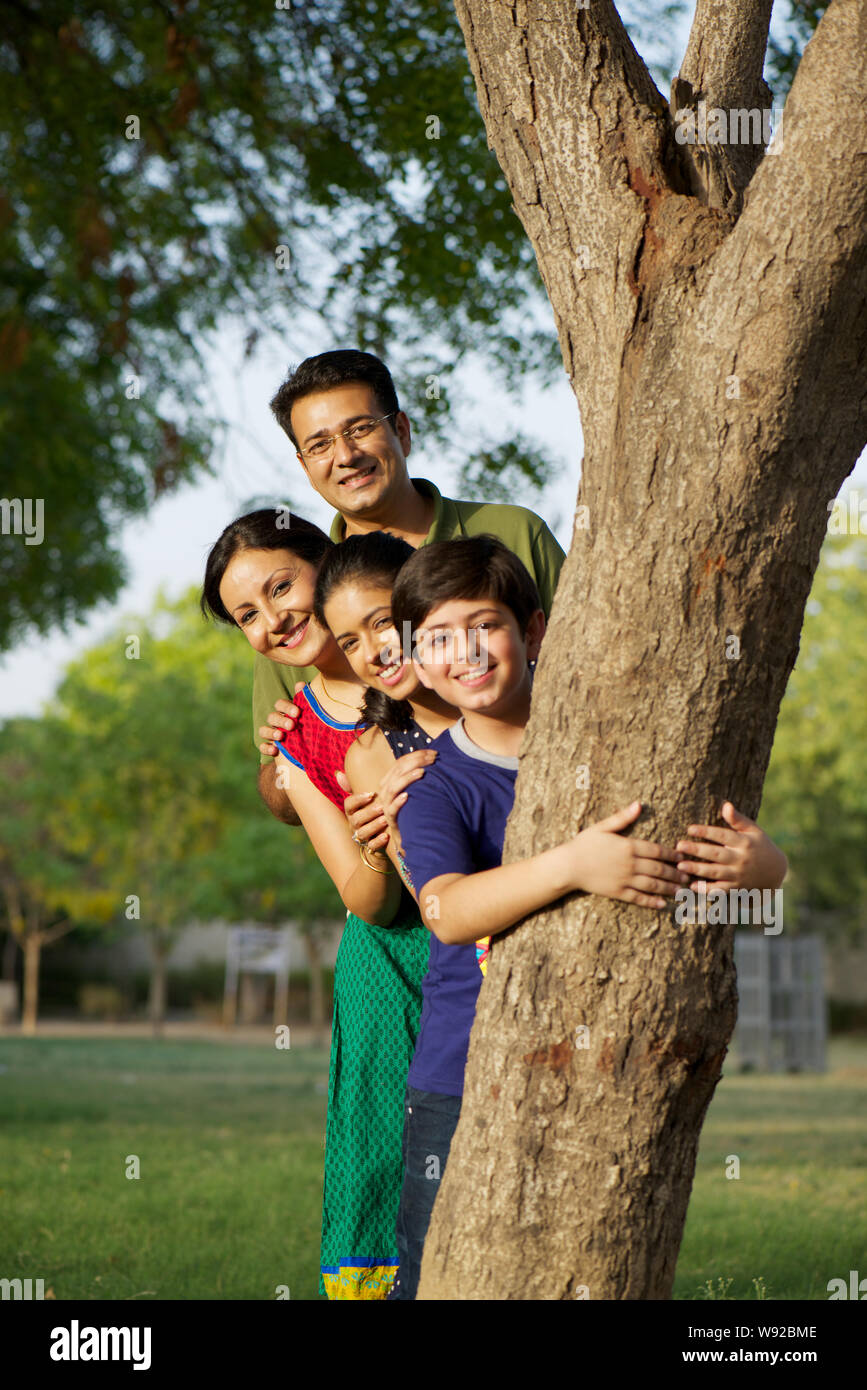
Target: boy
<point x="476" y="620"/>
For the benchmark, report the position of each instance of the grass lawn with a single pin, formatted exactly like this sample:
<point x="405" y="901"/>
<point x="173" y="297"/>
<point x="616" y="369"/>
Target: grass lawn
<point x="229" y="1140"/>
<point x="797" y="1215"/>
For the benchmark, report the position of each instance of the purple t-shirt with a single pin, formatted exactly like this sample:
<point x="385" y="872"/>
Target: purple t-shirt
<point x="452" y="822"/>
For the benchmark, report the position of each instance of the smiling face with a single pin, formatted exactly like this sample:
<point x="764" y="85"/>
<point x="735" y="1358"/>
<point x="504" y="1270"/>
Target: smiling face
<point x="269" y="593"/>
<point x="472" y="654"/>
<point x="359" y="615"/>
<point x="360" y="475"/>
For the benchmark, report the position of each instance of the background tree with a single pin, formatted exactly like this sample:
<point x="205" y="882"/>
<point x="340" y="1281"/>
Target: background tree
<point x="718" y="351"/>
<point x="152" y="779"/>
<point x="164" y="168"/>
<point x="46" y="888"/>
<point x="815" y="795"/>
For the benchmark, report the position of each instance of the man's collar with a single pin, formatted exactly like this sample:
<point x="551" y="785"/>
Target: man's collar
<point x="427" y="489"/>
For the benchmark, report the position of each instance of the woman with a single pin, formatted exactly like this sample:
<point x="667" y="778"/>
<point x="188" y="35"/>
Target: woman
<point x="261" y="578"/>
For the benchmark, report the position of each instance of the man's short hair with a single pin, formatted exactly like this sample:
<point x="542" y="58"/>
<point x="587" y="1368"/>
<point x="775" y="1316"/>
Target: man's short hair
<point x="470" y="567"/>
<point x="342" y="367"/>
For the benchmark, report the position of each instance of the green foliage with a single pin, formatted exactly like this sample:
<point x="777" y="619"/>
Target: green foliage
<point x="344" y="131"/>
<point x="156" y="781"/>
<point x="254" y="128"/>
<point x="46" y="884"/>
<point x="815" y="798"/>
<point x="784" y="54"/>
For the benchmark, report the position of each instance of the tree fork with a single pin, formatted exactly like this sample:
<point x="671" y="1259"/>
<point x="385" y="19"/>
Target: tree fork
<point x="720" y="362"/>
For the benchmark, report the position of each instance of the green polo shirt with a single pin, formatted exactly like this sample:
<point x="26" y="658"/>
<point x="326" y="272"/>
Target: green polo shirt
<point x="521" y="530"/>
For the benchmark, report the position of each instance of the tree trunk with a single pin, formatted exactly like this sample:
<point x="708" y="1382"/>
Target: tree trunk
<point x="719" y="362"/>
<point x="32" y="948"/>
<point x="158" y="992"/>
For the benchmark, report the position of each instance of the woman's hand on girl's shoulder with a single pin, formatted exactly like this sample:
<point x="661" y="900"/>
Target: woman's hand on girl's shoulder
<point x="282" y="720"/>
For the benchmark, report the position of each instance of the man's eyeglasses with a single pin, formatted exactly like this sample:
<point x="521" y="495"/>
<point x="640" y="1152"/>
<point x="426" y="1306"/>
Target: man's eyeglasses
<point x="322" y="449"/>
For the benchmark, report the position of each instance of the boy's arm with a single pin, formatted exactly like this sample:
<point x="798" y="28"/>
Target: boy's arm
<point x="461" y="907"/>
<point x="742" y="857"/>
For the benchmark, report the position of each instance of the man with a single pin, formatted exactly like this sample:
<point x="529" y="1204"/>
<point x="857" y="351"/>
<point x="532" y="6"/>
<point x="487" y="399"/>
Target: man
<point x="352" y="439"/>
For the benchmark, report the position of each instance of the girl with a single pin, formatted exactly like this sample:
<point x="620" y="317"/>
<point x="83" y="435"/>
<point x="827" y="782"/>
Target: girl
<point x="353" y="596"/>
<point x="260" y="576"/>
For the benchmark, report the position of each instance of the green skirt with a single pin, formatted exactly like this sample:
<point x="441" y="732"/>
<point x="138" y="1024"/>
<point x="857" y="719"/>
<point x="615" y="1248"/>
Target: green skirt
<point x="377" y="1003"/>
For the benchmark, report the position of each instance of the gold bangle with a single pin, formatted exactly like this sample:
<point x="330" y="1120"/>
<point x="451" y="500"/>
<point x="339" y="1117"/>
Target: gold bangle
<point x="363" y="850"/>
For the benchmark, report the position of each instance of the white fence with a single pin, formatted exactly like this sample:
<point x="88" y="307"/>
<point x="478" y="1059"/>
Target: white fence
<point x="782" y="1014"/>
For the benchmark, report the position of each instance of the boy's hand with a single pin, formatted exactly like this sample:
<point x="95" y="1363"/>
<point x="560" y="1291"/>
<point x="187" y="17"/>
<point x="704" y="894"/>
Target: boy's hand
<point x="742" y="857"/>
<point x="283" y="717"/>
<point x="635" y="871"/>
<point x="362" y="810"/>
<point x="392" y="794"/>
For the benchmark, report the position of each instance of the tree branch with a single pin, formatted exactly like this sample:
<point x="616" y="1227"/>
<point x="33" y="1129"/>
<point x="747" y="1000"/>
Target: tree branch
<point x="786" y="305"/>
<point x="722" y="68"/>
<point x="586" y="143"/>
<point x="52" y="934"/>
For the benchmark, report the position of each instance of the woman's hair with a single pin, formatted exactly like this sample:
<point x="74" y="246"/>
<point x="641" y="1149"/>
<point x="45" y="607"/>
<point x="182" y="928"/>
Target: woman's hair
<point x="469" y="567"/>
<point x="270" y="528"/>
<point x="374" y="558"/>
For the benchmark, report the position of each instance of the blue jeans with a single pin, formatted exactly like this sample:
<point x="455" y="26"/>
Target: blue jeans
<point x="429" y="1122"/>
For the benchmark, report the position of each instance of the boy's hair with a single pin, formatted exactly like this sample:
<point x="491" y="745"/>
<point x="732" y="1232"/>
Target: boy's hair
<point x="342" y="367"/>
<point x="467" y="568"/>
<point x="268" y="528"/>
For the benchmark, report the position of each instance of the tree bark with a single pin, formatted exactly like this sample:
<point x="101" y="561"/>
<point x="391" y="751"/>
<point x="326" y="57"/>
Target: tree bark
<point x="158" y="991"/>
<point x="32" y="947"/>
<point x="720" y="363"/>
<point x="722" y="67"/>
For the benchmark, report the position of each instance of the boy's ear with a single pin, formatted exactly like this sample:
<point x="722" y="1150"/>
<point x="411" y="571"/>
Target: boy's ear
<point x="534" y="634"/>
<point x="422" y="674"/>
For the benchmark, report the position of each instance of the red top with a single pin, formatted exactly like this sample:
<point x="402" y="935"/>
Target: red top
<point x="318" y="745"/>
